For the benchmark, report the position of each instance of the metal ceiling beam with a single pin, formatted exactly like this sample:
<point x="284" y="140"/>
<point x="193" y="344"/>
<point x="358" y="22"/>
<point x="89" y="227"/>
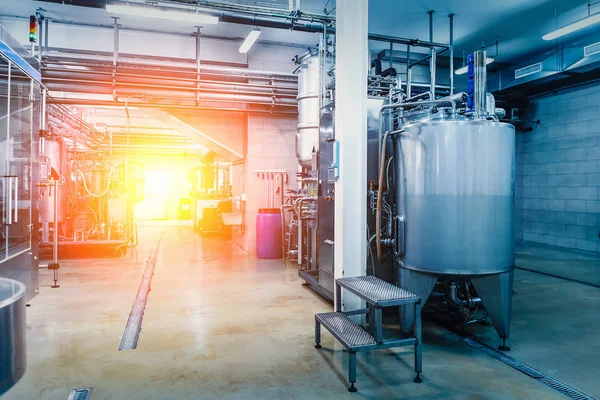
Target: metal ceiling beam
<point x="193" y="133"/>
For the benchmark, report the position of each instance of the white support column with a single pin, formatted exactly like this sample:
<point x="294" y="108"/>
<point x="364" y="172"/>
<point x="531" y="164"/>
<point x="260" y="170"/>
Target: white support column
<point x="351" y="68"/>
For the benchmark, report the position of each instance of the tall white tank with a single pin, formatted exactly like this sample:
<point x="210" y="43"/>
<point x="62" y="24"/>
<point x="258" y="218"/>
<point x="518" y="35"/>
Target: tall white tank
<point x="309" y="109"/>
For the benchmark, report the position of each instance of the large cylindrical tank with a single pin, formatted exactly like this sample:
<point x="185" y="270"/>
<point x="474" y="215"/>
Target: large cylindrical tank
<point x="56" y="153"/>
<point x="12" y="331"/>
<point x="309" y="109"/>
<point x="455" y="188"/>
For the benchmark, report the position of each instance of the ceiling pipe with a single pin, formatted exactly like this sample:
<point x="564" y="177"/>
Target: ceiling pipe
<point x="48" y="72"/>
<point x="244" y="72"/>
<point x="51" y="82"/>
<point x="110" y="103"/>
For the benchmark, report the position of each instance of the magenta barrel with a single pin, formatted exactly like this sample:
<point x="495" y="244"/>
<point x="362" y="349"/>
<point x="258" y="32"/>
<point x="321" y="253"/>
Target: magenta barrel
<point x="268" y="233"/>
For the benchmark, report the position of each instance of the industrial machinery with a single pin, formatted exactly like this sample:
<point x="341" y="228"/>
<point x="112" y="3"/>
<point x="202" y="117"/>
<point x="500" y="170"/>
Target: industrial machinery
<point x="440" y="168"/>
<point x="86" y="201"/>
<point x="449" y="204"/>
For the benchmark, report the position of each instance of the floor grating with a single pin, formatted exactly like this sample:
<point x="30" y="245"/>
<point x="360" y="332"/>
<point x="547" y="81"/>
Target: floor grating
<point x="133" y="328"/>
<point x="80" y="394"/>
<point x="532" y="372"/>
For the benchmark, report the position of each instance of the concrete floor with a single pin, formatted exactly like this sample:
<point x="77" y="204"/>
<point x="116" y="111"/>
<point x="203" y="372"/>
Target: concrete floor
<point x="577" y="265"/>
<point x="221" y="324"/>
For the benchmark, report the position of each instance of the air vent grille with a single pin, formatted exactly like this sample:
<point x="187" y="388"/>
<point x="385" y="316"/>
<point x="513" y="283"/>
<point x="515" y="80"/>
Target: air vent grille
<point x="591" y="49"/>
<point x="529" y="70"/>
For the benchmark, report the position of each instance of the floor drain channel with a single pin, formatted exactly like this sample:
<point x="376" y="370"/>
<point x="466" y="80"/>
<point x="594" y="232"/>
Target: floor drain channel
<point x="532" y="372"/>
<point x="134" y="322"/>
<point x="80" y="394"/>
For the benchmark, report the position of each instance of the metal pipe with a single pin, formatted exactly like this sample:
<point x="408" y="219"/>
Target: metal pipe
<point x="480" y="92"/>
<point x="198" y="62"/>
<point x="408" y="73"/>
<point x="453" y="101"/>
<point x="110" y="103"/>
<point x="115" y="40"/>
<point x="432" y="71"/>
<point x="41" y="32"/>
<point x="412" y="42"/>
<point x="46" y="34"/>
<point x="55" y="74"/>
<point x="419" y="96"/>
<point x="452" y="296"/>
<point x="451" y="17"/>
<point x="115" y="56"/>
<point x="214" y="69"/>
<point x="55" y="238"/>
<point x="57" y="82"/>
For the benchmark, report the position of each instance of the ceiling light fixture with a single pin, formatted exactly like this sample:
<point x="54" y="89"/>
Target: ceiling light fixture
<point x="573" y="27"/>
<point x="155" y="12"/>
<point x="250" y="40"/>
<point x="463" y="70"/>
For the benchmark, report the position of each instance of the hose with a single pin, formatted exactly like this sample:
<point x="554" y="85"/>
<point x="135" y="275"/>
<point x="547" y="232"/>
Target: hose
<point x="387" y="171"/>
<point x="107" y="186"/>
<point x="379" y="196"/>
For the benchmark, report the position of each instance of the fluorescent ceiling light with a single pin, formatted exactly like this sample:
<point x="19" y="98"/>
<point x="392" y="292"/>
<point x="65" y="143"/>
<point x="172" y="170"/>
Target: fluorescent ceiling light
<point x="463" y="70"/>
<point x="155" y="12"/>
<point x="76" y="67"/>
<point x="252" y="36"/>
<point x="575" y="26"/>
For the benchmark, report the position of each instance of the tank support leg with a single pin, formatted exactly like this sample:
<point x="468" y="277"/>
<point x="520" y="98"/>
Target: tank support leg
<point x="496" y="294"/>
<point x="420" y="284"/>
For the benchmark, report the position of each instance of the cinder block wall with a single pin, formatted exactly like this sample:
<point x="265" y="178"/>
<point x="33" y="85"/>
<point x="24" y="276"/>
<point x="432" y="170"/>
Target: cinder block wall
<point x="558" y="172"/>
<point x="271" y="145"/>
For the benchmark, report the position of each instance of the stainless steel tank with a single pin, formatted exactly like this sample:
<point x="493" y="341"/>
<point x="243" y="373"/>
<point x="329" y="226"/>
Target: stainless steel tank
<point x="12" y="333"/>
<point x="456" y="192"/>
<point x="55" y="151"/>
<point x="309" y="109"/>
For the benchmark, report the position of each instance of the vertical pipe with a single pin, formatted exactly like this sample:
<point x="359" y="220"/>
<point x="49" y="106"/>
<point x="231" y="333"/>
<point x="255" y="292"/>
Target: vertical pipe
<point x="40" y="43"/>
<point x="115" y="56"/>
<point x="43" y="121"/>
<point x="432" y="70"/>
<point x="391" y="54"/>
<point x="55" y="241"/>
<point x="432" y="60"/>
<point x="46" y="35"/>
<point x="116" y="40"/>
<point x="198" y="62"/>
<point x="8" y="181"/>
<point x="430" y="13"/>
<point x="480" y="83"/>
<point x="451" y="16"/>
<point x="408" y="73"/>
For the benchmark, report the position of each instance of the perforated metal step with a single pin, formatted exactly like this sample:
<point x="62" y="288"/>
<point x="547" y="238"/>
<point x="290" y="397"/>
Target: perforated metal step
<point x="351" y="335"/>
<point x="378" y="292"/>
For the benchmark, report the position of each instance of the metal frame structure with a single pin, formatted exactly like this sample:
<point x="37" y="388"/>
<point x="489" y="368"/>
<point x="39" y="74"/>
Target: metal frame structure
<point x="377" y="294"/>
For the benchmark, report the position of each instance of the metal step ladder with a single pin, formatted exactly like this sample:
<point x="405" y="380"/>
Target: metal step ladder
<point x="377" y="294"/>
